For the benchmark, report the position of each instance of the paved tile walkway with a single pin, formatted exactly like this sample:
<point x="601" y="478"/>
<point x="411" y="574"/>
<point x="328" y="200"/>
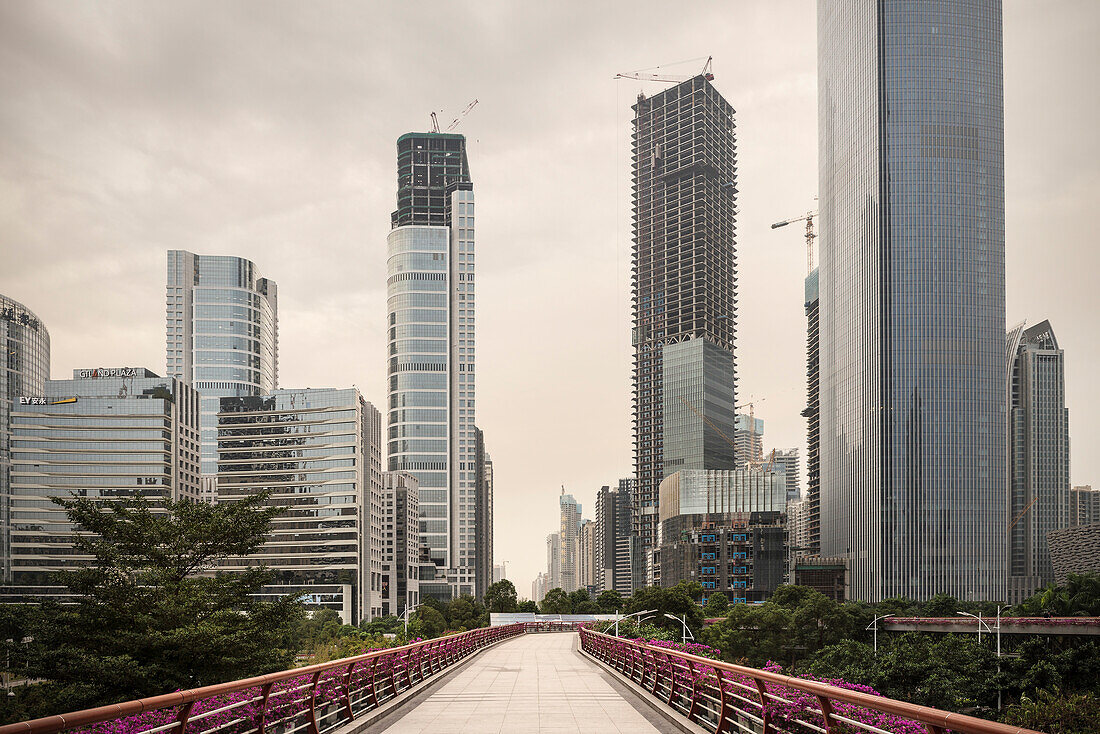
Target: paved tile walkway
<point x="534" y="683"/>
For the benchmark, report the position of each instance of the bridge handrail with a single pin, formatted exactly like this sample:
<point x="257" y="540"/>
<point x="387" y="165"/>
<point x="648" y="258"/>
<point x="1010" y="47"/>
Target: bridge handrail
<point x="434" y="654"/>
<point x="708" y="696"/>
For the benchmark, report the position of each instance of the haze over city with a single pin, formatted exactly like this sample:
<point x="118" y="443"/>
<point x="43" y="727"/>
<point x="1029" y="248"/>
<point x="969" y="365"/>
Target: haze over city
<point x="267" y="131"/>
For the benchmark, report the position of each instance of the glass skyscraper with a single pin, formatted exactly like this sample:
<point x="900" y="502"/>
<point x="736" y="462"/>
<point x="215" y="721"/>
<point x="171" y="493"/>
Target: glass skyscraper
<point x="912" y="300"/>
<point x="221" y="335"/>
<point x="26" y="367"/>
<point x="684" y="291"/>
<point x="430" y="285"/>
<point x="1038" y="442"/>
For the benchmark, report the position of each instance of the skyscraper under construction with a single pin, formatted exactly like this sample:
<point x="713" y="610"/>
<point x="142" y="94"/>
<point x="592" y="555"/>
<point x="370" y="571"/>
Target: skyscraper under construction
<point x="684" y="288"/>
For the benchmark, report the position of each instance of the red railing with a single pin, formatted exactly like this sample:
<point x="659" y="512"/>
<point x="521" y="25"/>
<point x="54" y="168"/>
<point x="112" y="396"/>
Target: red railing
<point x="727" y="698"/>
<point x="315" y="699"/>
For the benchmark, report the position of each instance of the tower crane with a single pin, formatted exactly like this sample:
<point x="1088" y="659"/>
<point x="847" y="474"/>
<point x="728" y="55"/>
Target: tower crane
<point x="751" y="405"/>
<point x="706" y="73"/>
<point x="461" y="116"/>
<point x="435" y="123"/>
<point x="808" y="217"/>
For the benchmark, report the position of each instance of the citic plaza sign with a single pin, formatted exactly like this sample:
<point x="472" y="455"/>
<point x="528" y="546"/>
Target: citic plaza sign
<point x="102" y="372"/>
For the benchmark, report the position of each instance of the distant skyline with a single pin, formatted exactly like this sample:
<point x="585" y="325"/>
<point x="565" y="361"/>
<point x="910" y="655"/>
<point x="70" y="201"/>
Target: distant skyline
<point x="268" y="131"/>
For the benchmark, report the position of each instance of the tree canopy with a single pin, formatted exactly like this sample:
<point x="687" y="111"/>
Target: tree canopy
<point x="150" y="612"/>
<point x="502" y="597"/>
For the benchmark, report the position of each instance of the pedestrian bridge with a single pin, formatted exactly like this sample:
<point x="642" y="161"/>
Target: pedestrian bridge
<point x="519" y="679"/>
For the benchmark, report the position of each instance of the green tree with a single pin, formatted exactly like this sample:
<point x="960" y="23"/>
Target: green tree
<point x="147" y="621"/>
<point x="556" y="601"/>
<point x="466" y="613"/>
<point x="609" y="601"/>
<point x="941" y="605"/>
<point x="1079" y="596"/>
<point x="717" y="604"/>
<point x="676" y="600"/>
<point x="1054" y="712"/>
<point x="430" y="622"/>
<point x="528" y="606"/>
<point x="501" y="597"/>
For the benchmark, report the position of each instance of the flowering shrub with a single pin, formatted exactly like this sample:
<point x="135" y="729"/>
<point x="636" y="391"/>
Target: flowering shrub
<point x="289" y="699"/>
<point x="691" y="648"/>
<point x="800" y="706"/>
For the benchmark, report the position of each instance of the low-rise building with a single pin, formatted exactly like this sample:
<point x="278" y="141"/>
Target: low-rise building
<point x="724" y="529"/>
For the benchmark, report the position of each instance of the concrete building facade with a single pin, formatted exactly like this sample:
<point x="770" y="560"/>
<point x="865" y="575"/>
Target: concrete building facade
<point x="684" y="266"/>
<point x="400" y="542"/>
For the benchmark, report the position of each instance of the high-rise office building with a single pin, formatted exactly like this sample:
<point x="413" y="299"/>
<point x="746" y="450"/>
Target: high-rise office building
<point x="553" y="561"/>
<point x="110" y="433"/>
<point x="1084" y="505"/>
<point x="400" y="542"/>
<point x="812" y="413"/>
<point x="614" y="543"/>
<point x="221" y="335"/>
<point x="748" y="435"/>
<point x="23" y="375"/>
<point x="483" y="517"/>
<point x="912" y="296"/>
<point x="570" y="511"/>
<point x="430" y="285"/>
<point x="1038" y="450"/>
<point x="539" y="587"/>
<point x="787" y="464"/>
<point x="319" y="454"/>
<point x="684" y="284"/>
<point x="613" y="512"/>
<point x="586" y="555"/>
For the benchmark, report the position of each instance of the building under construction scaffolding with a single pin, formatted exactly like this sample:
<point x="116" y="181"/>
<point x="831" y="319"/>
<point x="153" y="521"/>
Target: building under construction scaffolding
<point x="684" y="266"/>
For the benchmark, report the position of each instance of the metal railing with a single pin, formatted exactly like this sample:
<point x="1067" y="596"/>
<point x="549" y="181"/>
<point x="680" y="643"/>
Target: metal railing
<point x="726" y="698"/>
<point x="315" y="699"/>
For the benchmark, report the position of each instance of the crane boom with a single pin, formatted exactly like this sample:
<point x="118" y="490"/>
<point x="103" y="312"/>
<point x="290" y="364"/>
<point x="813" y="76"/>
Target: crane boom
<point x="461" y="116"/>
<point x="706" y="73"/>
<point x="808" y="217"/>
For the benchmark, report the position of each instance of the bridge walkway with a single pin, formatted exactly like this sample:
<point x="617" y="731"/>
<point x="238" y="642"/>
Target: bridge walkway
<point x="532" y="683"/>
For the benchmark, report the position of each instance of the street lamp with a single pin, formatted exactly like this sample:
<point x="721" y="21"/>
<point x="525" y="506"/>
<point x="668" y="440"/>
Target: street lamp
<point x="1005" y="606"/>
<point x="409" y="610"/>
<point x="980" y="623"/>
<point x="635" y="614"/>
<point x="683" y="622"/>
<point x="874" y="624"/>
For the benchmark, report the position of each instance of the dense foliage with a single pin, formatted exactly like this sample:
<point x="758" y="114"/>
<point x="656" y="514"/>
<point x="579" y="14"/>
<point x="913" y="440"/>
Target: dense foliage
<point x="150" y="612"/>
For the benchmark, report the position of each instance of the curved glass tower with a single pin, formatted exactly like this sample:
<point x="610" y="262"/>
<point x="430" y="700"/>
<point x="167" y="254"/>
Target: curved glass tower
<point x="430" y="288"/>
<point x="912" y="297"/>
<point x="24" y="371"/>
<point x="222" y="334"/>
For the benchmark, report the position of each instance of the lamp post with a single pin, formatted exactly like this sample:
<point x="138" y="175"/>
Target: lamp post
<point x="409" y="610"/>
<point x="683" y="622"/>
<point x="874" y="625"/>
<point x="980" y="623"/>
<point x="1006" y="606"/>
<point x="628" y="616"/>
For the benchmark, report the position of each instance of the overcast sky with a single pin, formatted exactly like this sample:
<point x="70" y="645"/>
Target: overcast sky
<point x="267" y="130"/>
